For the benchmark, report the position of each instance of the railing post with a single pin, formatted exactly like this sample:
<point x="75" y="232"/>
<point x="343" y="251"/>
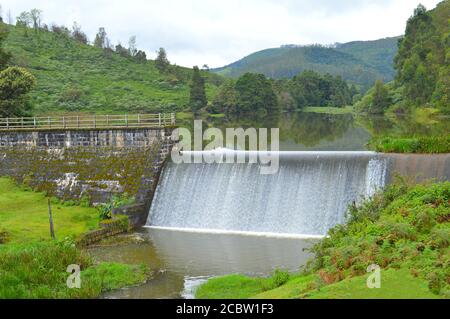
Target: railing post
<point x="107" y="120"/>
<point x="7" y="123"/>
<point x="78" y="121"/>
<point x="95" y="121"/>
<point x="49" y="123"/>
<point x="21" y="122"/>
<point x="126" y="120"/>
<point x="34" y="121"/>
<point x="139" y="119"/>
<point x="159" y="116"/>
<point x="64" y="122"/>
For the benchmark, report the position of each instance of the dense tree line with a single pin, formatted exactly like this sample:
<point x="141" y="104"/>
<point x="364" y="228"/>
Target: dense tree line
<point x="255" y="93"/>
<point x="422" y="65"/>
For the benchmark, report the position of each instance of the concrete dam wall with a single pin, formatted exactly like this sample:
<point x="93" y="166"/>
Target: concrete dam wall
<point x="96" y="163"/>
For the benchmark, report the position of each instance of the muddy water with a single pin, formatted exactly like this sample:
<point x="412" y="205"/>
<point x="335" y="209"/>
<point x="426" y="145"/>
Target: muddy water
<point x="183" y="260"/>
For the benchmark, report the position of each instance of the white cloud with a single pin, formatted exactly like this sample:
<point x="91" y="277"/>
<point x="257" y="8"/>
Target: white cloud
<point x="219" y="32"/>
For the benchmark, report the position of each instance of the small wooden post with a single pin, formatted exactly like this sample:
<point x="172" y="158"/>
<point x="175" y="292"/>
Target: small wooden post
<point x="159" y="116"/>
<point x="34" y="121"/>
<point x="52" y="230"/>
<point x="126" y="120"/>
<point x="7" y="123"/>
<point x="107" y="120"/>
<point x="78" y="121"/>
<point x="95" y="121"/>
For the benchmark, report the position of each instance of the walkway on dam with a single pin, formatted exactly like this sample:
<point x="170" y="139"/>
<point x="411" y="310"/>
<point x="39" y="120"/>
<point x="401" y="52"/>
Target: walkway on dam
<point x="158" y="120"/>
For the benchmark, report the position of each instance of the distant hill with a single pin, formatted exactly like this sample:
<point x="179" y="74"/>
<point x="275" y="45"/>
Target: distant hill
<point x="359" y="62"/>
<point x="74" y="77"/>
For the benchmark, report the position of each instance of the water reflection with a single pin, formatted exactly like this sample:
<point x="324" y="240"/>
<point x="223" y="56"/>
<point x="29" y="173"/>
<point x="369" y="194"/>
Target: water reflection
<point x="324" y="132"/>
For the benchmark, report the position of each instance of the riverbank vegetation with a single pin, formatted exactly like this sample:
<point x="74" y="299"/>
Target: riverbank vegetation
<point x="34" y="266"/>
<point x="421" y="145"/>
<point x="405" y="230"/>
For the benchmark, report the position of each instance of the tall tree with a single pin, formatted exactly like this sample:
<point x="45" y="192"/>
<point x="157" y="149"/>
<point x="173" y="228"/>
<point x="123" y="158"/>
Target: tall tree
<point x="100" y="38"/>
<point x="9" y="18"/>
<point x="161" y="62"/>
<point x="381" y="99"/>
<point x="197" y="98"/>
<point x="24" y="21"/>
<point x="79" y="35"/>
<point x="36" y="18"/>
<point x="132" y="49"/>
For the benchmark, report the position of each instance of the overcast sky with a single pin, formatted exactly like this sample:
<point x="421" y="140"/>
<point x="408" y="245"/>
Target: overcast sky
<point x="195" y="32"/>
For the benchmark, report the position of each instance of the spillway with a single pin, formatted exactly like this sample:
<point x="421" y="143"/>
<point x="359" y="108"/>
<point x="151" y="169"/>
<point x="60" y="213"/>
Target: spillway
<point x="308" y="195"/>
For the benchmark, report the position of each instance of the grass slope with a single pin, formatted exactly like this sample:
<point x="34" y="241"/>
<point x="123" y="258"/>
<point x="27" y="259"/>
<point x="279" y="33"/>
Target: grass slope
<point x="405" y="230"/>
<point x="33" y="266"/>
<point x="74" y="77"/>
<point x="24" y="215"/>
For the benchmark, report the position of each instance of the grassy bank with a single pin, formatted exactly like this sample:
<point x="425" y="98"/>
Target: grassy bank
<point x="405" y="230"/>
<point x="34" y="266"/>
<point x="24" y="215"/>
<point x="328" y="110"/>
<point x="38" y="270"/>
<point x="421" y="145"/>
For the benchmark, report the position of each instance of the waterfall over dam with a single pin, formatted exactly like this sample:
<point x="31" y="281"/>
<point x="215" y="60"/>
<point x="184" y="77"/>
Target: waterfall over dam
<point x="309" y="194"/>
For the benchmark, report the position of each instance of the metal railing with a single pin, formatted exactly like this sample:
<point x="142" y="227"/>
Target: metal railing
<point x="89" y="121"/>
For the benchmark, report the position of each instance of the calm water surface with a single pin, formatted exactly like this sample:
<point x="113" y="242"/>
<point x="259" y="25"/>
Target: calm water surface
<point x="182" y="260"/>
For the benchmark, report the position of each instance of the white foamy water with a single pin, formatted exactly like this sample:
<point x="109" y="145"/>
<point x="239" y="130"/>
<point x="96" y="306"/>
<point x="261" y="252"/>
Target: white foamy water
<point x="309" y="194"/>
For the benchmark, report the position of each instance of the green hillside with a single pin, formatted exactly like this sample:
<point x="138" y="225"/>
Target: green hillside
<point x="73" y="77"/>
<point x="360" y="62"/>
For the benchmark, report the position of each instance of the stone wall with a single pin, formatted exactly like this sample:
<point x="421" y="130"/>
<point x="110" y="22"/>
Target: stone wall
<point x="95" y="163"/>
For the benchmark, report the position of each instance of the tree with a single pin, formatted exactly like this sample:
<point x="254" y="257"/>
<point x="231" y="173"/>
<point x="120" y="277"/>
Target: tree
<point x="197" y="98"/>
<point x="24" y="19"/>
<point x="380" y="99"/>
<point x="79" y="35"/>
<point x="132" y="46"/>
<point x="255" y="94"/>
<point x="225" y="100"/>
<point x="161" y="62"/>
<point x="4" y="56"/>
<point x="141" y="56"/>
<point x="100" y="38"/>
<point x="36" y="17"/>
<point x="9" y="18"/>
<point x="15" y="84"/>
<point x="122" y="51"/>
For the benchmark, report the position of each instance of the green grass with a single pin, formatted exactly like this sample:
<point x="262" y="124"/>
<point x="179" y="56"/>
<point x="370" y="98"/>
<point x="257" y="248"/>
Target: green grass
<point x="328" y="109"/>
<point x="421" y="145"/>
<point x="395" y="284"/>
<point x="73" y="77"/>
<point x="24" y="215"/>
<point x="34" y="266"/>
<point x="38" y="270"/>
<point x="405" y="229"/>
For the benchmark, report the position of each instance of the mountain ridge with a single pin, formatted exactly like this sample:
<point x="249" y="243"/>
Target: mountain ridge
<point x="359" y="62"/>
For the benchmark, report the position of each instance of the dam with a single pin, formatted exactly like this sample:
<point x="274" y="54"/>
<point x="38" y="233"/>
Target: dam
<point x="309" y="195"/>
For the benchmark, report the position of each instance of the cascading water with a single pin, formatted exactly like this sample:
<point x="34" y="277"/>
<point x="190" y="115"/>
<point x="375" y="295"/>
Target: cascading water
<point x="309" y="194"/>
